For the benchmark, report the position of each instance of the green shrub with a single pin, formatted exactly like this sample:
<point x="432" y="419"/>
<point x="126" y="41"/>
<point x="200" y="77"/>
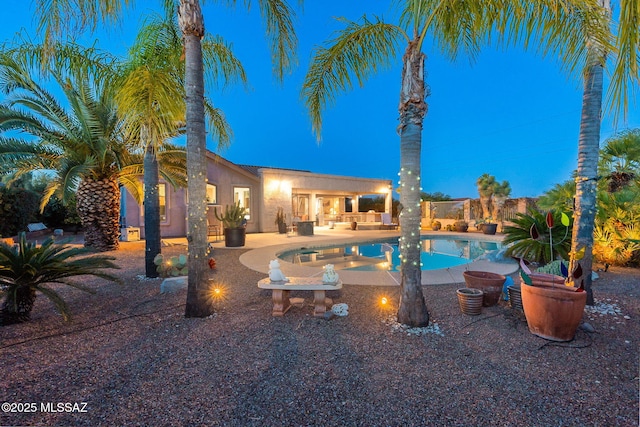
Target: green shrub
<point x="18" y="207"/>
<point x="523" y="245"/>
<point x="27" y="268"/>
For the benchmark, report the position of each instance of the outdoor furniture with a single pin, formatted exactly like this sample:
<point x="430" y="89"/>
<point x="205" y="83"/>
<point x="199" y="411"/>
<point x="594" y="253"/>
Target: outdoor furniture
<point x="280" y="293"/>
<point x="213" y="230"/>
<point x="305" y="228"/>
<point x="386" y="222"/>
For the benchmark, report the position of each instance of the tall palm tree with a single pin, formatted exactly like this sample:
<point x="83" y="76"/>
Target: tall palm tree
<point x="277" y="16"/>
<point x="152" y="99"/>
<point x="361" y="48"/>
<point x="626" y="72"/>
<point x="84" y="145"/>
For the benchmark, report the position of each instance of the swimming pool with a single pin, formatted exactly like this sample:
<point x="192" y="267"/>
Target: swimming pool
<point x="437" y="253"/>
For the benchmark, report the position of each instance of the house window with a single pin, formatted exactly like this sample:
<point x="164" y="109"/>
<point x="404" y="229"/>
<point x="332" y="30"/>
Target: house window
<point x="243" y="195"/>
<point x="162" y="195"/>
<point x="212" y="194"/>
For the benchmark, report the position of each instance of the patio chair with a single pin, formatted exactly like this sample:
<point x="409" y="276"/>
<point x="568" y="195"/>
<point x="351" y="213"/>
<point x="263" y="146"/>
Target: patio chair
<point x="213" y="230"/>
<point x="386" y="222"/>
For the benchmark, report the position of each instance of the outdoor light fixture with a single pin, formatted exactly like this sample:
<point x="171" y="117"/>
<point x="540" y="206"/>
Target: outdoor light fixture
<point x="216" y="292"/>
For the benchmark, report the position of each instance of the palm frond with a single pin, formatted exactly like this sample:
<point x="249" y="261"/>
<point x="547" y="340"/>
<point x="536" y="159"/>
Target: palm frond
<point x="219" y="127"/>
<point x="73" y="17"/>
<point x="277" y="17"/>
<point x="220" y="63"/>
<point x="358" y="51"/>
<point x="626" y="70"/>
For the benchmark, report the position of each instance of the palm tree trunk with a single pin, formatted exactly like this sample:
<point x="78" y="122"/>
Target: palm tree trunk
<point x="98" y="206"/>
<point x="485" y="201"/>
<point x="192" y="25"/>
<point x="151" y="211"/>
<point x="587" y="175"/>
<point x="17" y="306"/>
<point x="412" y="310"/>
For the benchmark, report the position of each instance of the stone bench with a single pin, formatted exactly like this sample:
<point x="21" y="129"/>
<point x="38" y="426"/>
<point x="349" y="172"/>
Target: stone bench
<point x="280" y="293"/>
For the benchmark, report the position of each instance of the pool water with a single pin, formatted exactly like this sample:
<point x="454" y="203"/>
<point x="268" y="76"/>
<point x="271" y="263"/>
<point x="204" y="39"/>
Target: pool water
<point x="437" y="253"/>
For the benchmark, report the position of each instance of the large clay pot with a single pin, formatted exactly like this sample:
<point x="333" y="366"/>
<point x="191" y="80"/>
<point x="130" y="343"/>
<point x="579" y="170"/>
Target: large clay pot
<point x="234" y="237"/>
<point x="470" y="301"/>
<point x="489" y="283"/>
<point x="553" y="310"/>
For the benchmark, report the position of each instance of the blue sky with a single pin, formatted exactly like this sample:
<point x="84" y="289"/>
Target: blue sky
<point x="511" y="114"/>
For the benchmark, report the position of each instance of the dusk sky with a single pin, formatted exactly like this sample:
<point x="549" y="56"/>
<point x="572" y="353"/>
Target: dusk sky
<point x="511" y="114"/>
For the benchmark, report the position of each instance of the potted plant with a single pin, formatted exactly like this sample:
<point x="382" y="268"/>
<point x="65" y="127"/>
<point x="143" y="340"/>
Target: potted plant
<point x="280" y="221"/>
<point x="27" y="268"/>
<point x="233" y="220"/>
<point x="488" y="226"/>
<point x="489" y="283"/>
<point x="552" y="304"/>
<point x="436" y="225"/>
<point x="493" y="196"/>
<point x="461" y="226"/>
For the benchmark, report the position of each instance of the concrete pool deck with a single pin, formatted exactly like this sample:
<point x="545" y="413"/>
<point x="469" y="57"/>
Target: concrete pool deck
<point x="266" y="246"/>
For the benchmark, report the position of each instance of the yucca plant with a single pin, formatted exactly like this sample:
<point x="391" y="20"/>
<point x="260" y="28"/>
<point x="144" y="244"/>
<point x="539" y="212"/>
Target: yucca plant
<point x="541" y="248"/>
<point x="26" y="269"/>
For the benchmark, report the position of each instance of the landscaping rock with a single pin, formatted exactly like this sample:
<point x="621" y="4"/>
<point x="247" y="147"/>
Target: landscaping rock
<point x="173" y="284"/>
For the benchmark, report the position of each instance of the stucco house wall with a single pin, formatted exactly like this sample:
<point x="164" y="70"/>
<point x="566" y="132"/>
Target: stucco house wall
<point x="269" y="189"/>
<point x="280" y="185"/>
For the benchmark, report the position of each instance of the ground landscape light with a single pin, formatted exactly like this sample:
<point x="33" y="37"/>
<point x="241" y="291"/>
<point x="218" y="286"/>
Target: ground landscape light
<point x="216" y="292"/>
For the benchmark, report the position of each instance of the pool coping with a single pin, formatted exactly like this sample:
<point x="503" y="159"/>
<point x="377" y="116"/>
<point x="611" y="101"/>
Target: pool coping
<point x="258" y="260"/>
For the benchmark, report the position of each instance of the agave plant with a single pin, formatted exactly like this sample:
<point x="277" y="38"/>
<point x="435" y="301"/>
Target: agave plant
<point x="534" y="240"/>
<point x="26" y="269"/>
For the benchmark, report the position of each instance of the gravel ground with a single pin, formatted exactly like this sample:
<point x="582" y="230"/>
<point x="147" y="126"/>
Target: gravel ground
<point x="134" y="360"/>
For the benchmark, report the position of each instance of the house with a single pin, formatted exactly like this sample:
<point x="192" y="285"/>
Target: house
<point x="304" y="195"/>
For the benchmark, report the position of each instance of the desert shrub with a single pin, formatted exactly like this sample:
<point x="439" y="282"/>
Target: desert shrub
<point x="18" y="207"/>
<point x="617" y="245"/>
<point x="537" y="249"/>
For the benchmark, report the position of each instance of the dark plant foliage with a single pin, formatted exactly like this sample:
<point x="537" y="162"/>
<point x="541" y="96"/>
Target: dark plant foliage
<point x="18" y="207"/>
<point x="27" y="268"/>
<point x="523" y="245"/>
<point x="57" y="215"/>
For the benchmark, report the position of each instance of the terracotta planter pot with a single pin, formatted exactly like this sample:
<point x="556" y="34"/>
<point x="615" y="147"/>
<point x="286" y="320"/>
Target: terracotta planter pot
<point x="553" y="311"/>
<point x="515" y="297"/>
<point x="470" y="301"/>
<point x="489" y="283"/>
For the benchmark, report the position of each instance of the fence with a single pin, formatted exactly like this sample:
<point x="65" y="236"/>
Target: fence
<point x="470" y="210"/>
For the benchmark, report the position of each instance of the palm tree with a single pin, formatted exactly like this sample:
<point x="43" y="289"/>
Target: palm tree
<point x="361" y="49"/>
<point x="283" y="41"/>
<point x="620" y="158"/>
<point x="626" y="70"/>
<point x="152" y="99"/>
<point x="486" y="185"/>
<point x="84" y="145"/>
<point x="277" y="16"/>
<point x="27" y="268"/>
<point x="501" y="193"/>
